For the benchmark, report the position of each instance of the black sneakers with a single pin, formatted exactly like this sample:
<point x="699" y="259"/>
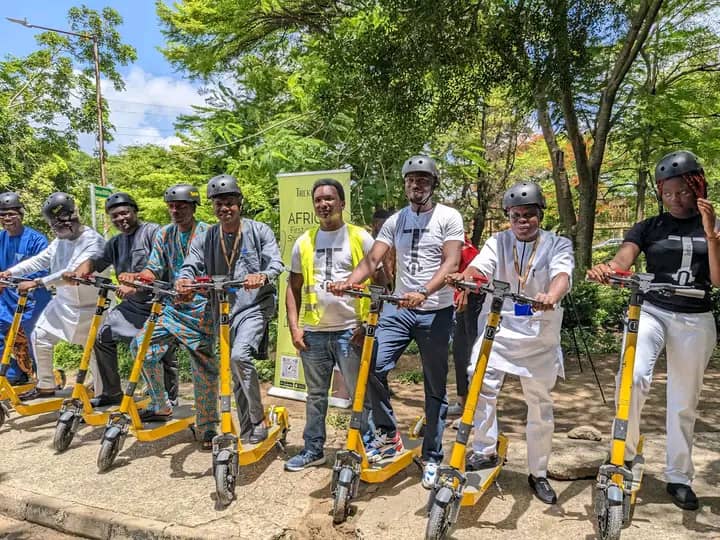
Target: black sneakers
<point x="683" y="496"/>
<point x="475" y="461"/>
<point x="542" y="489"/>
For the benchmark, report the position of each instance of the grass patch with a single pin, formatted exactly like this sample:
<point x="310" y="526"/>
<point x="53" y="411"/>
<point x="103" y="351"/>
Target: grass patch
<point x="411" y="376"/>
<point x="338" y="420"/>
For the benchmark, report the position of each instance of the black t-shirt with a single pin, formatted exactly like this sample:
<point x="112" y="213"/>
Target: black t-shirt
<point x="676" y="252"/>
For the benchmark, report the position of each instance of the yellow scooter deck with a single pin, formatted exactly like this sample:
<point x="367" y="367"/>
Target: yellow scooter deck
<point x="43" y="405"/>
<point x="387" y="468"/>
<point x="99" y="415"/>
<point x="183" y="417"/>
<point x="478" y="482"/>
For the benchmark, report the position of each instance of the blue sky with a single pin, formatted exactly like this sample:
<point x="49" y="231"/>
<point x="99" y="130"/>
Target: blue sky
<point x="155" y="94"/>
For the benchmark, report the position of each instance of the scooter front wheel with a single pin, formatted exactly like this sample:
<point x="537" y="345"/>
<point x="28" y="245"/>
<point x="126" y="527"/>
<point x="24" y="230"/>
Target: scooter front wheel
<point x="63" y="436"/>
<point x="224" y="484"/>
<point x="341" y="504"/>
<point x="108" y="452"/>
<point x="438" y="526"/>
<point x="610" y="523"/>
<point x="2" y="414"/>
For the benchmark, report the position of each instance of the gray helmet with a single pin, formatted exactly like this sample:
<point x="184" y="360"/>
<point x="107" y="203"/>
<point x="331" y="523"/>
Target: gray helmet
<point x="522" y="194"/>
<point x="57" y="205"/>
<point x="182" y="193"/>
<point x="10" y="200"/>
<point x="423" y="164"/>
<point x="677" y="164"/>
<point x="223" y="184"/>
<point x="120" y="199"/>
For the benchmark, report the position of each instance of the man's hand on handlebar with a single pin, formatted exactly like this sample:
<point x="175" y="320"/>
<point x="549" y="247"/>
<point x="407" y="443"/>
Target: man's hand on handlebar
<point x="255" y="281"/>
<point x="544" y="302"/>
<point x="600" y="273"/>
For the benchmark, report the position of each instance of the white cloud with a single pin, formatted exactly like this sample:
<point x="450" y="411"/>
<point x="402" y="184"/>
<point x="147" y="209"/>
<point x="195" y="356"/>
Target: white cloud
<point x="145" y="111"/>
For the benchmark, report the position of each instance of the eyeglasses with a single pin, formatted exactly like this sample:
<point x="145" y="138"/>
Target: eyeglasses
<point x="9" y="215"/>
<point x="515" y="215"/>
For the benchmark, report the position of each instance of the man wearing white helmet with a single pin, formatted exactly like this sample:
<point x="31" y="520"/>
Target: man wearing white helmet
<point x="538" y="264"/>
<point x="427" y="237"/>
<point x="68" y="315"/>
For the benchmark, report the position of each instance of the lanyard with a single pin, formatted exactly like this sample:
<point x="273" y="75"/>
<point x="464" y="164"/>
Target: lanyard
<point x="178" y="241"/>
<point x="233" y="254"/>
<point x="523" y="277"/>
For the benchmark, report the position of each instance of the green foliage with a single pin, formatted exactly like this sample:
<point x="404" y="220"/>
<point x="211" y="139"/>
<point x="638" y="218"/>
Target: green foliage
<point x="67" y="356"/>
<point x="265" y="369"/>
<point x="411" y="376"/>
<point x="47" y="98"/>
<point x="337" y="420"/>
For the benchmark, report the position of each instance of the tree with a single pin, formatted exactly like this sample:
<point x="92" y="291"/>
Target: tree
<point x="45" y="101"/>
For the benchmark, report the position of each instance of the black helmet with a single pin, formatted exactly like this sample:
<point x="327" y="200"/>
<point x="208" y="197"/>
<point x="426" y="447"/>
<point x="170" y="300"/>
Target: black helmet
<point x="182" y="193"/>
<point x="522" y="194"/>
<point x="10" y="200"/>
<point x="58" y="205"/>
<point x="423" y="164"/>
<point x="677" y="164"/>
<point x="120" y="199"/>
<point x="223" y="184"/>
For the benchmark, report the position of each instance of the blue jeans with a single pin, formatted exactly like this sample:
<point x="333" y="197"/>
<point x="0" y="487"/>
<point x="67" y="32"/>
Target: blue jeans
<point x="325" y="349"/>
<point x="431" y="332"/>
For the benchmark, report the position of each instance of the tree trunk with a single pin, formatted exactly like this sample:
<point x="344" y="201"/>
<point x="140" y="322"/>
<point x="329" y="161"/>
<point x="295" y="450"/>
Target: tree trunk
<point x="640" y="188"/>
<point x="566" y="208"/>
<point x="482" y="185"/>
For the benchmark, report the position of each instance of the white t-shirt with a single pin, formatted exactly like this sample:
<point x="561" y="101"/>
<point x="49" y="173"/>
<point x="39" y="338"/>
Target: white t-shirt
<point x="333" y="262"/>
<point x="418" y="241"/>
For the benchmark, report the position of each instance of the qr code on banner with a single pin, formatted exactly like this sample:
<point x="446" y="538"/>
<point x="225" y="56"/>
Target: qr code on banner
<point x="289" y="367"/>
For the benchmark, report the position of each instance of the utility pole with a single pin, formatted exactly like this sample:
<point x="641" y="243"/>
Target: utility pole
<point x="98" y="94"/>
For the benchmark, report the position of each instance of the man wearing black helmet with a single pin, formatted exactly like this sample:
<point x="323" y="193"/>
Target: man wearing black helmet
<point x="682" y="247"/>
<point x="17" y="243"/>
<point x="68" y="315"/>
<point x="427" y="238"/>
<point x="126" y="252"/>
<point x="538" y="264"/>
<point x="243" y="249"/>
<point x="187" y="323"/>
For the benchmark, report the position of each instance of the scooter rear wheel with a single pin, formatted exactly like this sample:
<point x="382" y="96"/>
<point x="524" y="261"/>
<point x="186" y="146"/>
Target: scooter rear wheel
<point x="611" y="522"/>
<point x="2" y="414"/>
<point x="63" y="436"/>
<point x="224" y="484"/>
<point x="341" y="504"/>
<point x="438" y="526"/>
<point x="108" y="452"/>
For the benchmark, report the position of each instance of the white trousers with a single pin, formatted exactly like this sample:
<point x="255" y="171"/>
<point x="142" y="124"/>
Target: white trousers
<point x="43" y="343"/>
<point x="540" y="422"/>
<point x="689" y="340"/>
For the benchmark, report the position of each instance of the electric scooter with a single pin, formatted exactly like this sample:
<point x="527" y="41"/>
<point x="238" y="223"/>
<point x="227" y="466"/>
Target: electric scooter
<point x="127" y="417"/>
<point x="454" y="486"/>
<point x="618" y="482"/>
<point x="10" y="393"/>
<point x="78" y="407"/>
<point x="228" y="450"/>
<point x="351" y="465"/>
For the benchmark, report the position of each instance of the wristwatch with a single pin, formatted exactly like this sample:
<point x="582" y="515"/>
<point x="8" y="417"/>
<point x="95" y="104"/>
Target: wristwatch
<point x="423" y="291"/>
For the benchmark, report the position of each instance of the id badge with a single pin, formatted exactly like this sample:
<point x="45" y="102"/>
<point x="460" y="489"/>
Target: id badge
<point x="523" y="310"/>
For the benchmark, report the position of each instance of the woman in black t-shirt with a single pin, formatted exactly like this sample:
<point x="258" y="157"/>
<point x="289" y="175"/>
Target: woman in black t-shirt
<point x="681" y="246"/>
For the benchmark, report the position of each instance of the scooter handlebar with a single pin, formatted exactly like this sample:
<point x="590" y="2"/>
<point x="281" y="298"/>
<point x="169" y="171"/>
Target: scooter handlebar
<point x="359" y="291"/>
<point x="499" y="288"/>
<point x="92" y="280"/>
<point x="13" y="282"/>
<point x="157" y="287"/>
<point x="644" y="282"/>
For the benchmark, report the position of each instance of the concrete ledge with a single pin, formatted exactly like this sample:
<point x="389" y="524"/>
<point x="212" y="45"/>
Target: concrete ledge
<point x="72" y="518"/>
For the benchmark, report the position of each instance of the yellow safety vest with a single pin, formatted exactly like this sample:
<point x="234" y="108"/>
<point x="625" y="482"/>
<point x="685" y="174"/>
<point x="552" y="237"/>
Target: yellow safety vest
<point x="311" y="316"/>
